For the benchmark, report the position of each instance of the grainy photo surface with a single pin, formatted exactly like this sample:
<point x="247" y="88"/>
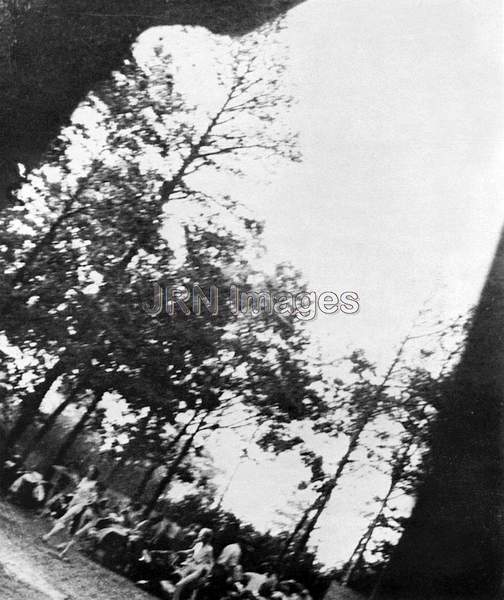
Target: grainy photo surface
<point x="251" y="300"/>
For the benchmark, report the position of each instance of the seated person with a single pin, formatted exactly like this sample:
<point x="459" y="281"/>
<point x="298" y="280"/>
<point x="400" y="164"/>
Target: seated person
<point x="254" y="581"/>
<point x="268" y="586"/>
<point x="156" y="532"/>
<point x="199" y="563"/>
<point x="31" y="485"/>
<point x="230" y="556"/>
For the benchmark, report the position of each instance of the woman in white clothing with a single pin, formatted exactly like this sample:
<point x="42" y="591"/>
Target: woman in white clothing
<point x="199" y="564"/>
<point x="85" y="494"/>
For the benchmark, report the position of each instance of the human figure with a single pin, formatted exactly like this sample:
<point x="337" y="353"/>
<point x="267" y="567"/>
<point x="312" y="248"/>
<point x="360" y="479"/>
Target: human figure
<point x="59" y="497"/>
<point x="227" y="574"/>
<point x="267" y="588"/>
<point x="31" y="486"/>
<point x="254" y="581"/>
<point x="91" y="515"/>
<point x="230" y="556"/>
<point x="200" y="562"/>
<point x="85" y="494"/>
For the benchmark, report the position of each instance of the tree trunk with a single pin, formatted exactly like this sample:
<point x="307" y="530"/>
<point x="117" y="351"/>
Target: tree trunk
<point x="50" y="422"/>
<point x="321" y="502"/>
<point x="147" y="476"/>
<point x="299" y="526"/>
<point x="398" y="469"/>
<point x="150" y="471"/>
<point x="363" y="543"/>
<point x="77" y="430"/>
<point x="129" y="451"/>
<point x="173" y="468"/>
<point x="30" y="407"/>
<point x="318" y="506"/>
<point x="453" y="543"/>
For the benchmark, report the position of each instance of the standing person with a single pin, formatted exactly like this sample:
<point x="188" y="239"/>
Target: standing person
<point x="85" y="494"/>
<point x="200" y="563"/>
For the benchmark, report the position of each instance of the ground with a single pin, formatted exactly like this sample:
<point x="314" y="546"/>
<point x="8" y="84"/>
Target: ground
<point x="29" y="570"/>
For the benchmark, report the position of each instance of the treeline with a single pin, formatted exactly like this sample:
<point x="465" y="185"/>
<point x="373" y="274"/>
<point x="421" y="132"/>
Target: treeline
<point x="126" y="199"/>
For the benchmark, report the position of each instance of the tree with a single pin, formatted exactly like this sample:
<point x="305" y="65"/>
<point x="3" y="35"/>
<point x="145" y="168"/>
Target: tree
<point x="418" y="394"/>
<point x="52" y="268"/>
<point x="362" y="401"/>
<point x="456" y="515"/>
<point x="53" y="52"/>
<point x="71" y="391"/>
<point x="387" y="422"/>
<point x="106" y="226"/>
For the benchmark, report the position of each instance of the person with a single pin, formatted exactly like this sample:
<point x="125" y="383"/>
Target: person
<point x="85" y="494"/>
<point x="228" y="573"/>
<point x="127" y="516"/>
<point x="291" y="589"/>
<point x="267" y="588"/>
<point x="254" y="581"/>
<point x="59" y="497"/>
<point x="230" y="556"/>
<point x="29" y="486"/>
<point x="91" y="515"/>
<point x="199" y="564"/>
<point x="155" y="533"/>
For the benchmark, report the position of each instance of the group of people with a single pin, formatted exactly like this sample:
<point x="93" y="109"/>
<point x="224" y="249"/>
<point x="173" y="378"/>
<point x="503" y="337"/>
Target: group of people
<point x="225" y="577"/>
<point x="195" y="572"/>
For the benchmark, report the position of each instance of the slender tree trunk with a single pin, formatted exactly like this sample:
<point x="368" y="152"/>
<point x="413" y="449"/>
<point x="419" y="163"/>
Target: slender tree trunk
<point x="130" y="449"/>
<point x="144" y="482"/>
<point x="173" y="468"/>
<point x="319" y="507"/>
<point x="321" y="502"/>
<point x="299" y="526"/>
<point x="239" y="463"/>
<point x="51" y="421"/>
<point x="30" y="406"/>
<point x="363" y="543"/>
<point x="398" y="469"/>
<point x="78" y="429"/>
<point x="149" y="472"/>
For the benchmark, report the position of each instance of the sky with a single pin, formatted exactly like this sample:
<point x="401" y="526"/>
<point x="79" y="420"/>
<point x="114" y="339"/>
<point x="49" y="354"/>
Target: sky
<point x="399" y="194"/>
<point x="399" y="108"/>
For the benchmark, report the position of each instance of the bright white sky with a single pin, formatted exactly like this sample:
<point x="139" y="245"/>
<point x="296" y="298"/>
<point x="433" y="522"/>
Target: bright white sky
<point x="399" y="196"/>
<point x="399" y="110"/>
<point x="400" y="115"/>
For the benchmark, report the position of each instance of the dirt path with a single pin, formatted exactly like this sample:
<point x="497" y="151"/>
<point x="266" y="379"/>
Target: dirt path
<point x="29" y="571"/>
